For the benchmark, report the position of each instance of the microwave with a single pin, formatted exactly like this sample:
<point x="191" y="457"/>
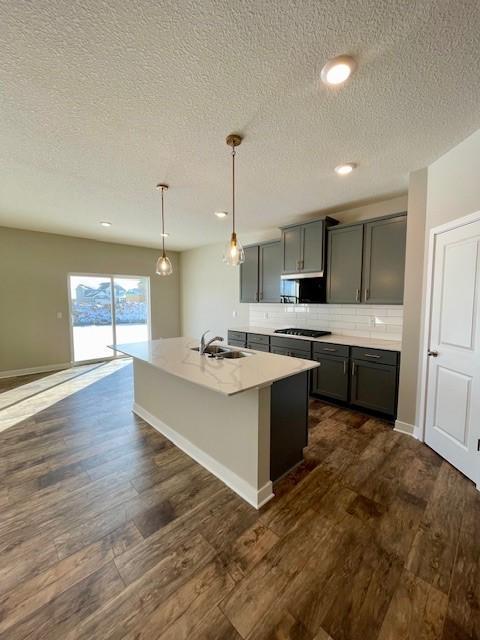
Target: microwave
<point x="303" y="291"/>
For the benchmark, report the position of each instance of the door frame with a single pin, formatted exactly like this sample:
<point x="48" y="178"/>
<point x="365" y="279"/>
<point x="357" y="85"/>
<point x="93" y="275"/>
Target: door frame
<point x="425" y="341"/>
<point x="111" y="277"/>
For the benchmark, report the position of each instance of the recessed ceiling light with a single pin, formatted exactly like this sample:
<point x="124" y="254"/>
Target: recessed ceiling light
<point x="338" y="69"/>
<point x="345" y="169"/>
<point x="105" y="223"/>
<point x="221" y="214"/>
<point x="165" y="234"/>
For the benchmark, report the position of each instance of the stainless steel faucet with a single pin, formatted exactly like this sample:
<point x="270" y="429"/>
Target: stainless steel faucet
<point x="204" y="345"/>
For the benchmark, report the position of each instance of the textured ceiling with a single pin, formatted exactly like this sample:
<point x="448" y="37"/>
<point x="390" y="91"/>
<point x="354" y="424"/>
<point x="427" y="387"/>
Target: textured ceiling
<point x="102" y="99"/>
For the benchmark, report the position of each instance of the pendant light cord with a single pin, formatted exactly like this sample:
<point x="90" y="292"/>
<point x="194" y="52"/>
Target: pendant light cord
<point x="163" y="228"/>
<point x="233" y="188"/>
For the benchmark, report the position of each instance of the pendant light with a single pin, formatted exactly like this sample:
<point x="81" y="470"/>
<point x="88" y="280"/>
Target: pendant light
<point x="164" y="266"/>
<point x="234" y="254"/>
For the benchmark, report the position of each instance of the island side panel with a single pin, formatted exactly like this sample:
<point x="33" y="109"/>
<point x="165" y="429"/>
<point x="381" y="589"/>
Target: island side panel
<point x="289" y="423"/>
<point x="229" y="435"/>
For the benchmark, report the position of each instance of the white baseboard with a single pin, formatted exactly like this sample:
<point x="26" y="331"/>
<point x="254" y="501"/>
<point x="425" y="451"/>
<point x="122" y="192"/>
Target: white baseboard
<point x="16" y="373"/>
<point x="405" y="428"/>
<point x="256" y="497"/>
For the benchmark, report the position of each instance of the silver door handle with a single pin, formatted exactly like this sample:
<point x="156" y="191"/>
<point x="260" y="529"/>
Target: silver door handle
<point x="433" y="354"/>
<point x="371" y="355"/>
<point x="344" y="367"/>
<point x="328" y="349"/>
<point x="357" y="295"/>
<point x="367" y="293"/>
<point x="353" y="368"/>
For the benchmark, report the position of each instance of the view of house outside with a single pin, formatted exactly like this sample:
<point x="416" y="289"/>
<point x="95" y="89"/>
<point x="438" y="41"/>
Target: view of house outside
<point x="92" y="305"/>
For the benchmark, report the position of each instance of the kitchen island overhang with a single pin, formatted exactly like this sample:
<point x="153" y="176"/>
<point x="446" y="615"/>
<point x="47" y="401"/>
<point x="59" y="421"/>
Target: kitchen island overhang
<point x="220" y="412"/>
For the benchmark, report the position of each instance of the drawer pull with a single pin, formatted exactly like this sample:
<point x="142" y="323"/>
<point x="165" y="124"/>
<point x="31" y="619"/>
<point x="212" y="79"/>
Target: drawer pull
<point x="371" y="355"/>
<point x="328" y="349"/>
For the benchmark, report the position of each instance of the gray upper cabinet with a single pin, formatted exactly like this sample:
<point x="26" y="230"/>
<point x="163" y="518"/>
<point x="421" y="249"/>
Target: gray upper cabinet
<point x="249" y="275"/>
<point x="303" y="247"/>
<point x="260" y="273"/>
<point x="269" y="272"/>
<point x="384" y="260"/>
<point x="292" y="249"/>
<point x="344" y="265"/>
<point x="313" y="246"/>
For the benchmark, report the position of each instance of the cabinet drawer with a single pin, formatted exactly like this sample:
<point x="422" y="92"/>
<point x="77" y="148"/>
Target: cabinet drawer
<point x="258" y="338"/>
<point x="292" y="353"/>
<point x="237" y="335"/>
<point x="257" y="346"/>
<point x="292" y="344"/>
<point x="381" y="356"/>
<point x="341" y="350"/>
<point x="237" y="343"/>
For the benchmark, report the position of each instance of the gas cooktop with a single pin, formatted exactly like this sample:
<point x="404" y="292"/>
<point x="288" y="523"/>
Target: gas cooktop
<point x="309" y="333"/>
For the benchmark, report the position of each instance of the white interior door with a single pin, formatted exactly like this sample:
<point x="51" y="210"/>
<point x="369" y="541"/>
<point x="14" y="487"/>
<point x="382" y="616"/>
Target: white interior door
<point x="453" y="377"/>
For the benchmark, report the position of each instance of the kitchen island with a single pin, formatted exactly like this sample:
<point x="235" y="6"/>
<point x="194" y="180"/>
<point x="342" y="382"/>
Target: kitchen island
<point x="244" y="419"/>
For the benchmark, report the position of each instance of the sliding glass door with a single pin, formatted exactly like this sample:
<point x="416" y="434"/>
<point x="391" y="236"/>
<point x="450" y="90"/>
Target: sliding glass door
<point x="107" y="310"/>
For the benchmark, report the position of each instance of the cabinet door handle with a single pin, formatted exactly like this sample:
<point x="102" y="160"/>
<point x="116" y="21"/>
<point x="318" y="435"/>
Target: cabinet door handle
<point x="432" y="354"/>
<point x="344" y="367"/>
<point x="371" y="355"/>
<point x="357" y="295"/>
<point x="367" y="294"/>
<point x="328" y="349"/>
<point x="353" y="368"/>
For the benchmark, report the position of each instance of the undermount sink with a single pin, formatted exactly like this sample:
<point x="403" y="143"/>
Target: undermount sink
<point x="234" y="354"/>
<point x="212" y="350"/>
<point x="220" y="352"/>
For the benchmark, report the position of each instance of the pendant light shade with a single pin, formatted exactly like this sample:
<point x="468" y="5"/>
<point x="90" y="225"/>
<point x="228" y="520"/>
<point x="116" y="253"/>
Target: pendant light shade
<point x="234" y="253"/>
<point x="164" y="266"/>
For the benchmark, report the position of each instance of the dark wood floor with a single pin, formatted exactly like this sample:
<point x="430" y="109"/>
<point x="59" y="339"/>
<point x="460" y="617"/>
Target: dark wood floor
<point x="108" y="531"/>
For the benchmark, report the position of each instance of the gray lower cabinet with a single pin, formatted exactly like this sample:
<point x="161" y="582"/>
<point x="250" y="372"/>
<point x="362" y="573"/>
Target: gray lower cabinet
<point x="344" y="264"/>
<point x="237" y="338"/>
<point x="357" y="376"/>
<point x="374" y="386"/>
<point x="269" y="272"/>
<point x="249" y="275"/>
<point x="236" y="343"/>
<point x="384" y="260"/>
<point x="330" y="379"/>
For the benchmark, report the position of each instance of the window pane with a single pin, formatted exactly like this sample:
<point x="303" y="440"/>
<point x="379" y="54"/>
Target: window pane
<point x="91" y="304"/>
<point x="131" y="310"/>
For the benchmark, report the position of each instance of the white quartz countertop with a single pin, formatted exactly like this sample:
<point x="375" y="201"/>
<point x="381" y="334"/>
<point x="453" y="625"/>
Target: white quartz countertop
<point x="175" y="356"/>
<point x="352" y="341"/>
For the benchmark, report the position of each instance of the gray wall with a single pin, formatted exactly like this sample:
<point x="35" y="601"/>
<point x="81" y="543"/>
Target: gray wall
<point x="209" y="293"/>
<point x="33" y="288"/>
<point x="412" y="298"/>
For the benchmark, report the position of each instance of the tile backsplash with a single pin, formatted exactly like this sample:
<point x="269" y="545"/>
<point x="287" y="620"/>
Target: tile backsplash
<point x="366" y="321"/>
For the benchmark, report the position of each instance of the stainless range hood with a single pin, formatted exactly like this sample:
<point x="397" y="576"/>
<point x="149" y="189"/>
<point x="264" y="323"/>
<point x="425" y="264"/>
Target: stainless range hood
<point x="301" y="275"/>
